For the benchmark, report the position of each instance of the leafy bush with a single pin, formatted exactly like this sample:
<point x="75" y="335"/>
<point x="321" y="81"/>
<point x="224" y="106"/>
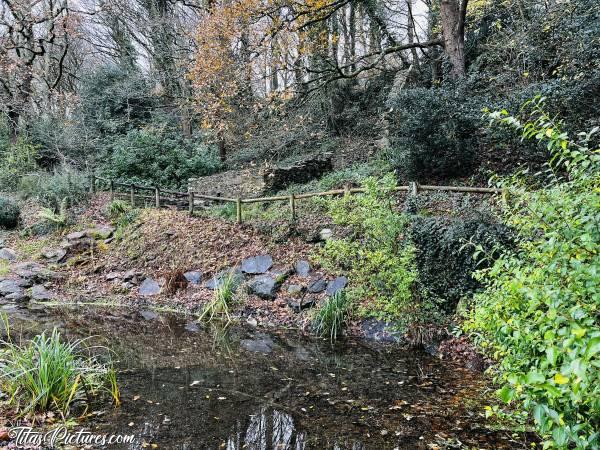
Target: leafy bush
<point x="156" y="156"/>
<point x="433" y="133"/>
<point x="15" y="161"/>
<point x="64" y="185"/>
<point x="539" y="312"/>
<point x="9" y="214"/>
<point x="332" y="315"/>
<point x="444" y="253"/>
<point x="375" y="256"/>
<point x="51" y="374"/>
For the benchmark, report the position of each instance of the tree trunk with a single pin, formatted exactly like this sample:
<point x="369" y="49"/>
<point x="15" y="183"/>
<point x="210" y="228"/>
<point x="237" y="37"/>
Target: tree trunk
<point x="453" y="29"/>
<point x="222" y="147"/>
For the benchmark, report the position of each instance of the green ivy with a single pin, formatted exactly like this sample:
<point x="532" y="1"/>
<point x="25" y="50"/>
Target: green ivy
<point x="538" y="315"/>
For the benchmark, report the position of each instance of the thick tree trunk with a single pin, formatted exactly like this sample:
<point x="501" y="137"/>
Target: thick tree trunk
<point x="452" y="13"/>
<point x="13" y="125"/>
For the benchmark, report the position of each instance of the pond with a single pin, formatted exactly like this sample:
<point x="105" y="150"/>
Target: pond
<point x="186" y="386"/>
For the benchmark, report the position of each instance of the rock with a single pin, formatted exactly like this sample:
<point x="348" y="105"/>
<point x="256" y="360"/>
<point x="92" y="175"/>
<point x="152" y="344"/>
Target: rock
<point x="219" y="278"/>
<point x="263" y="345"/>
<point x="100" y="233"/>
<point x="54" y="254"/>
<point x="317" y="286"/>
<point x="265" y="286"/>
<point x="127" y="285"/>
<point x="325" y="234"/>
<point x="1" y="243"/>
<point x="336" y="285"/>
<point x="380" y="331"/>
<point x="298" y="304"/>
<point x="295" y="290"/>
<point x="75" y="236"/>
<point x="252" y="321"/>
<point x="34" y="272"/>
<point x="10" y="286"/>
<point x="302" y="268"/>
<point x="113" y="276"/>
<point x="8" y="254"/>
<point x="194" y="277"/>
<point x="192" y="327"/>
<point x="39" y="292"/>
<point x="149" y="287"/>
<point x="257" y="264"/>
<point x="17" y="297"/>
<point x="148" y="315"/>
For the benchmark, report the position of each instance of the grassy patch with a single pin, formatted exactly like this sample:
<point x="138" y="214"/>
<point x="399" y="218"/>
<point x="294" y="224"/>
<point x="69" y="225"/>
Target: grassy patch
<point x="332" y="316"/>
<point x="218" y="307"/>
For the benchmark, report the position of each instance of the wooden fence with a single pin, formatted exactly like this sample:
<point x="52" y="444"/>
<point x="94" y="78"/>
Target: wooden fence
<point x="160" y="197"/>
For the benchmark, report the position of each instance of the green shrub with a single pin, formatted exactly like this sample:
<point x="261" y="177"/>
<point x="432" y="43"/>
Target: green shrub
<point x="64" y="185"/>
<point x="9" y="214"/>
<point x="51" y="374"/>
<point x="375" y="256"/>
<point x="444" y="253"/>
<point x="158" y="157"/>
<point x="15" y="161"/>
<point x="433" y="133"/>
<point x="332" y="316"/>
<point x="539" y="312"/>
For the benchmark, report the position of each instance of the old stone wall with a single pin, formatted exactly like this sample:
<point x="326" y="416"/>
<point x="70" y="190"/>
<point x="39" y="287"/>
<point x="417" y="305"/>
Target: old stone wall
<point x="278" y="178"/>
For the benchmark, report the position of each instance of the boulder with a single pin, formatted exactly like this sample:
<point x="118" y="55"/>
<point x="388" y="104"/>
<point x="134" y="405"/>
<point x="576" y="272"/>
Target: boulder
<point x="257" y="264"/>
<point x="100" y="233"/>
<point x="260" y="345"/>
<point x="295" y="290"/>
<point x="193" y="277"/>
<point x="149" y="287"/>
<point x="148" y="315"/>
<point x="113" y="276"/>
<point x="302" y="268"/>
<point x="325" y="234"/>
<point x="75" y="235"/>
<point x="336" y="285"/>
<point x="34" y="272"/>
<point x="17" y="297"/>
<point x="10" y="287"/>
<point x="54" y="254"/>
<point x="8" y="254"/>
<point x="317" y="286"/>
<point x="39" y="292"/>
<point x="192" y="327"/>
<point x="264" y="286"/>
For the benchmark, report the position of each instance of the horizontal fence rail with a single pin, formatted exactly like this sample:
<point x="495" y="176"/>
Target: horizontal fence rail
<point x="167" y="197"/>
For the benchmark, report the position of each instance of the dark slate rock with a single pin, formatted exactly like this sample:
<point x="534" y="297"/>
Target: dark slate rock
<point x="261" y="345"/>
<point x="336" y="285"/>
<point x="302" y="268"/>
<point x="10" y="286"/>
<point x="100" y="233"/>
<point x="149" y="287"/>
<point x="265" y="286"/>
<point x="8" y="254"/>
<point x="148" y="315"/>
<point x="34" y="272"/>
<point x="217" y="280"/>
<point x="192" y="327"/>
<point x="317" y="286"/>
<point x="39" y="292"/>
<point x="194" y="277"/>
<point x="55" y="254"/>
<point x="298" y="304"/>
<point x="75" y="235"/>
<point x="17" y="297"/>
<point x="257" y="264"/>
<point x="113" y="276"/>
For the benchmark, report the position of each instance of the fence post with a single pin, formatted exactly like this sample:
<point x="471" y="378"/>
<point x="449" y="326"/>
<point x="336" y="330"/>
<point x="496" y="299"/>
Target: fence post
<point x="238" y="209"/>
<point x="293" y="207"/>
<point x="191" y="202"/>
<point x="413" y="188"/>
<point x="111" y="188"/>
<point x="132" y="194"/>
<point x="346" y="189"/>
<point x="157" y="197"/>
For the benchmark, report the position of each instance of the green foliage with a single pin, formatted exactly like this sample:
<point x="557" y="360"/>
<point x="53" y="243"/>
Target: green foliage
<point x="539" y="312"/>
<point x="374" y="255"/>
<point x="444" y="253"/>
<point x="118" y="208"/>
<point x="49" y="373"/>
<point x="433" y="132"/>
<point x="52" y="189"/>
<point x="158" y="157"/>
<point x="224" y="294"/>
<point x="17" y="160"/>
<point x="332" y="315"/>
<point x="9" y="214"/>
<point x="58" y="219"/>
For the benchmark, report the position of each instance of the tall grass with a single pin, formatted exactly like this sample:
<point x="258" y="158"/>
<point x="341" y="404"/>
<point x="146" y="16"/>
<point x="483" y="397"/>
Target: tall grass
<point x="218" y="306"/>
<point x="332" y="316"/>
<point x="49" y="373"/>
